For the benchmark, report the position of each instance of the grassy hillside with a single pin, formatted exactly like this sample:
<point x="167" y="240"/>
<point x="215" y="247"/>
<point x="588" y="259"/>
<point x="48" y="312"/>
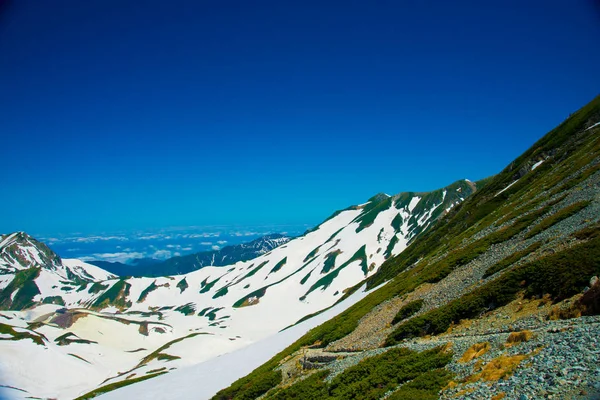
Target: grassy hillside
<point x="530" y="233"/>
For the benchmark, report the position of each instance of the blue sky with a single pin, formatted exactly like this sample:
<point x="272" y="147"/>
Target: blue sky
<point x="135" y="115"/>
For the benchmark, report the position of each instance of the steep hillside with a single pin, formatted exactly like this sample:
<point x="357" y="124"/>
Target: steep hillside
<point x="179" y="265"/>
<point x="499" y="299"/>
<point x="113" y="332"/>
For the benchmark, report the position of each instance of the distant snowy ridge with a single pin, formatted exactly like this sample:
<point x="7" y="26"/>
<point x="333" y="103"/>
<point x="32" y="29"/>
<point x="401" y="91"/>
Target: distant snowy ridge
<point x="149" y="326"/>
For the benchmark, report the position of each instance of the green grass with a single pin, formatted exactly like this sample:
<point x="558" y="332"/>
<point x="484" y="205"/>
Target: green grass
<point x="221" y="292"/>
<point x="371" y="211"/>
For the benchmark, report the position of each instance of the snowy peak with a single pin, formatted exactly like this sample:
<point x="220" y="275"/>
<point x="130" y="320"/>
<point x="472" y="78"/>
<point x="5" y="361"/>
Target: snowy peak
<point x="20" y="251"/>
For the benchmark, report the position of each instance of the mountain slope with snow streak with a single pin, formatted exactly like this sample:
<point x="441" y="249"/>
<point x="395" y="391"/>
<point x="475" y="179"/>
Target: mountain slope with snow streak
<point x="123" y="330"/>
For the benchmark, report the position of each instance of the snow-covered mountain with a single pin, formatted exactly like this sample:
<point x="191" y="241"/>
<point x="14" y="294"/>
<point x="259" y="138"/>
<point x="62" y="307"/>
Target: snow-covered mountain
<point x="96" y="330"/>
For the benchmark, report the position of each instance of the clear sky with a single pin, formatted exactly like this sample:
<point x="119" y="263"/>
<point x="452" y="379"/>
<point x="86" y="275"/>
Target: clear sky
<point x="138" y="114"/>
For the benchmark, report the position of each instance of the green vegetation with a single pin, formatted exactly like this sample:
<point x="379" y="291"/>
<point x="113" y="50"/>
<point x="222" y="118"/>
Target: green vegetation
<point x="303" y="281"/>
<point x="408" y="310"/>
<point x="311" y="254"/>
<point x="254" y="271"/>
<point x="376" y="205"/>
<point x="97" y="287"/>
<point x="560" y="275"/>
<point x="279" y="265"/>
<point x="158" y="353"/>
<point x="424" y="387"/>
<point x="371" y="378"/>
<point x="510" y="260"/>
<point x="116" y="296"/>
<point x="182" y="285"/>
<point x="329" y="262"/>
<point x="187" y="309"/>
<point x="54" y="300"/>
<point x="146" y="291"/>
<point x="26" y="289"/>
<point x="8" y="330"/>
<point x="390" y="247"/>
<point x="70" y="337"/>
<point x="221" y="292"/>
<point x="112" y="386"/>
<point x="557" y="217"/>
<point x="206" y="286"/>
<point x="397" y="222"/>
<point x="325" y="281"/>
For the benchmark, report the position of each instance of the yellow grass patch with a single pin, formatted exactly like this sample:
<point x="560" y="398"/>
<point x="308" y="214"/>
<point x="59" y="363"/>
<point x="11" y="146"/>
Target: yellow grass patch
<point x="477" y="350"/>
<point x="498" y="396"/>
<point x="498" y="368"/>
<point x="519" y="337"/>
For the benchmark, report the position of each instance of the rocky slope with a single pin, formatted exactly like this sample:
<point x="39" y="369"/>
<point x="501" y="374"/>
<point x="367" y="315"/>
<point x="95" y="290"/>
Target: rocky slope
<point x="499" y="300"/>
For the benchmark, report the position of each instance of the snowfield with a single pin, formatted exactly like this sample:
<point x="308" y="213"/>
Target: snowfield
<point x="99" y="329"/>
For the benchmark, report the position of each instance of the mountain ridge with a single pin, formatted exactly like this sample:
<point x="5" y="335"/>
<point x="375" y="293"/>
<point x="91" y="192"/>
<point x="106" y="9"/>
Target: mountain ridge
<point x="190" y="318"/>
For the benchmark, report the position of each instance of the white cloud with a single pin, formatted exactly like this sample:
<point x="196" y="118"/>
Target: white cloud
<point x="222" y="241"/>
<point x="215" y="247"/>
<point x="206" y="243"/>
<point x="186" y="248"/>
<point x="161" y="254"/>
<point x="121" y="257"/>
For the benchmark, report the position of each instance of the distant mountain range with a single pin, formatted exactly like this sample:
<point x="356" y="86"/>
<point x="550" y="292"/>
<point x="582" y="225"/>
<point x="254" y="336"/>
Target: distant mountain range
<point x="148" y="267"/>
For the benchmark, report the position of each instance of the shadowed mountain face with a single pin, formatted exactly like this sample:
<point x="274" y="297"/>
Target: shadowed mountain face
<point x="183" y="264"/>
